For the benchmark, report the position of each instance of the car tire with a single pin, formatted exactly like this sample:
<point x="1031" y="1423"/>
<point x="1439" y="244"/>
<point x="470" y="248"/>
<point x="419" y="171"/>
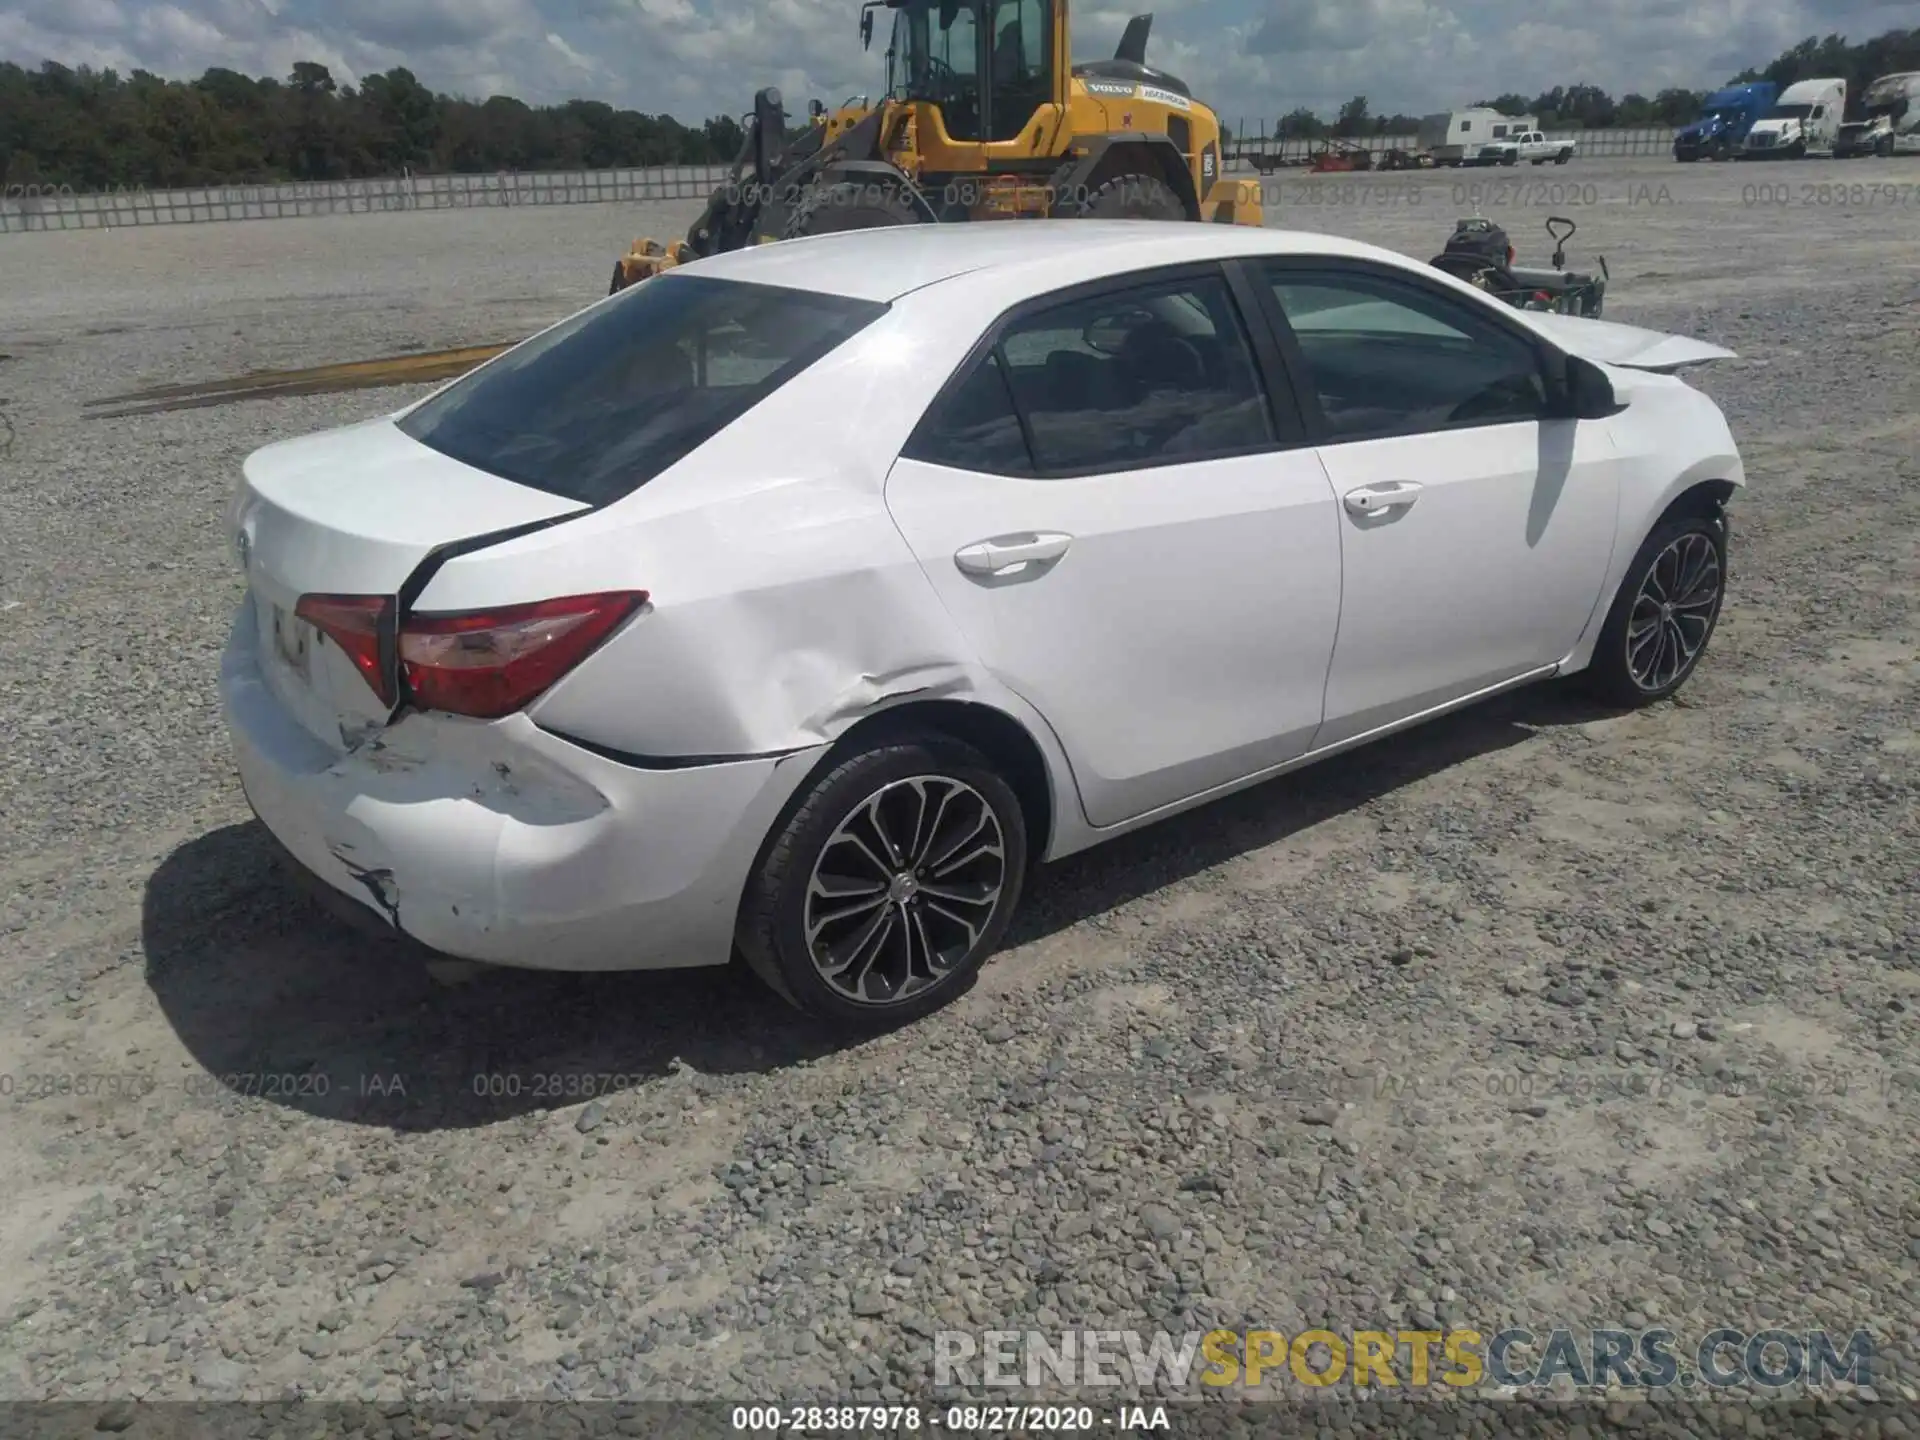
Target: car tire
<point x="921" y="952"/>
<point x="1132" y="197"/>
<point x="1663" y="615"/>
<point x="1563" y="157"/>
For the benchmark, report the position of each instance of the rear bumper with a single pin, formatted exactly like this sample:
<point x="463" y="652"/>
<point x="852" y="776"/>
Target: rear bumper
<point x="499" y="842"/>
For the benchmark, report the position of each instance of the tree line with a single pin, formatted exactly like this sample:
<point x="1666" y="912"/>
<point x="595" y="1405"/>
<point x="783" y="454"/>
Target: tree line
<point x="1588" y="107"/>
<point x="95" y="130"/>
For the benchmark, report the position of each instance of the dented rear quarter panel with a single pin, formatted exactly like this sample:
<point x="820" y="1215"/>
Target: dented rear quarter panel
<point x="785" y="606"/>
<point x="782" y="598"/>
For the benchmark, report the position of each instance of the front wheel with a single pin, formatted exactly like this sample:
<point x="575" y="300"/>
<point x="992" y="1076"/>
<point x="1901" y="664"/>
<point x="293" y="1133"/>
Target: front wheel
<point x="1663" y="615"/>
<point x="884" y="892"/>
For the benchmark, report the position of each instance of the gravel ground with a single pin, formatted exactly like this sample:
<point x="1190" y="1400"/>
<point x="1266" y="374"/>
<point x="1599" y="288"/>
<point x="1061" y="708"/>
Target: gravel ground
<point x="1532" y="1016"/>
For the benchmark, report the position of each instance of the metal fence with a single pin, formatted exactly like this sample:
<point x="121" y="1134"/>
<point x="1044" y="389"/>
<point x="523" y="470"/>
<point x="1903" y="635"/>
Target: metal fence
<point x="1612" y="143"/>
<point x="59" y="207"/>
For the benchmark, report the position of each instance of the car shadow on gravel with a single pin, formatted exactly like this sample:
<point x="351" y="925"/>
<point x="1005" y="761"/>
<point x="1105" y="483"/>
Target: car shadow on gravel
<point x="274" y="997"/>
<point x="1165" y="853"/>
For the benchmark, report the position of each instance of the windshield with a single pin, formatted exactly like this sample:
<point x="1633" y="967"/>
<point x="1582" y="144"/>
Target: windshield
<point x="935" y="54"/>
<point x="1724" y="112"/>
<point x="601" y="403"/>
<point x="939" y="48"/>
<point x="1789" y="112"/>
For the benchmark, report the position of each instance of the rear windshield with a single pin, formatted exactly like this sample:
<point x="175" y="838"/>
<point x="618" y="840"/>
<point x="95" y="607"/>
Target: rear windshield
<point x="600" y="404"/>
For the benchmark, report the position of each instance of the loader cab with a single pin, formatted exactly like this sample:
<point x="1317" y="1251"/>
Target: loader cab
<point x="986" y="66"/>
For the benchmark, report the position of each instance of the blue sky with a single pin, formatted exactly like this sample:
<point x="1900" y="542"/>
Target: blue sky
<point x="694" y="58"/>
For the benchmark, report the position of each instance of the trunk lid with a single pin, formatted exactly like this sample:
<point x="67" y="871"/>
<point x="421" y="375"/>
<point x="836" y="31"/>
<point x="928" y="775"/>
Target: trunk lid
<point x="1608" y="342"/>
<point x="354" y="511"/>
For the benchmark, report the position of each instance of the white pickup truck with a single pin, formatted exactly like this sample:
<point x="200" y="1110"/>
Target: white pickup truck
<point x="1530" y="145"/>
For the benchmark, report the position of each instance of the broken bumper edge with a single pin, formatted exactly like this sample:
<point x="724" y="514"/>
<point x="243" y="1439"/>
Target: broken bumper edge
<point x="499" y="843"/>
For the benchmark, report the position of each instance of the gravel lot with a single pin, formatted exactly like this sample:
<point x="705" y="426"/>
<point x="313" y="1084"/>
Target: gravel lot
<point x="1535" y="1016"/>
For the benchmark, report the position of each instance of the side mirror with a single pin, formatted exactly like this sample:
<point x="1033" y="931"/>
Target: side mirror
<point x="1578" y="389"/>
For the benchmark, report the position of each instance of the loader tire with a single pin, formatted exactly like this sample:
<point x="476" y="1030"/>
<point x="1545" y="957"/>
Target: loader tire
<point x="1132" y="197"/>
<point x="851" y="205"/>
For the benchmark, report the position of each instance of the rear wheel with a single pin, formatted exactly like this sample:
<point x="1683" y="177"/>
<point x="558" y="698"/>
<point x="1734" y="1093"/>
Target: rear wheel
<point x="851" y="205"/>
<point x="1563" y="157"/>
<point x="1663" y="615"/>
<point x="884" y="892"/>
<point x="1133" y="197"/>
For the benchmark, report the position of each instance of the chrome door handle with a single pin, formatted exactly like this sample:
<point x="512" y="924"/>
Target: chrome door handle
<point x="1007" y="553"/>
<point x="1376" y="499"/>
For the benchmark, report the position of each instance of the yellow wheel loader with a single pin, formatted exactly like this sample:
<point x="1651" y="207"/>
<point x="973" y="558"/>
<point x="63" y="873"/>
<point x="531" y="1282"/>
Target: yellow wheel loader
<point x="985" y="118"/>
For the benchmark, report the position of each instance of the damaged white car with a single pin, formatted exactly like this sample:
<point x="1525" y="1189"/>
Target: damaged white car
<point x="794" y="603"/>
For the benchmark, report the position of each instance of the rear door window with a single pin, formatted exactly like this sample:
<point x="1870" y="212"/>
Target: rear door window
<point x="975" y="426"/>
<point x="1154" y="374"/>
<point x="602" y="403"/>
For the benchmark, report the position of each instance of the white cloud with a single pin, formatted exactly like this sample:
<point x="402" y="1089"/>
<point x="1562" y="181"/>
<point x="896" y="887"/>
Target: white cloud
<point x="572" y="56"/>
<point x="435" y="24"/>
<point x="695" y="58"/>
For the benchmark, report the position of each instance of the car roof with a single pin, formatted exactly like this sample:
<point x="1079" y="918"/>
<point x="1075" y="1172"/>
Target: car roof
<point x="887" y="262"/>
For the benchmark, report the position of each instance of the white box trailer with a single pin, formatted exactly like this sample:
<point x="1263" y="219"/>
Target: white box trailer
<point x="1455" y="136"/>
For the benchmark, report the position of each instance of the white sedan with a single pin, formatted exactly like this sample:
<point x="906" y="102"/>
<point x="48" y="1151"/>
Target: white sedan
<point x="793" y="604"/>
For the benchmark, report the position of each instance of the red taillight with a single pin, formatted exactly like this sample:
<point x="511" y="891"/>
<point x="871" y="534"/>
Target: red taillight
<point x="1511" y="252"/>
<point x="353" y="622"/>
<point x="489" y="663"/>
